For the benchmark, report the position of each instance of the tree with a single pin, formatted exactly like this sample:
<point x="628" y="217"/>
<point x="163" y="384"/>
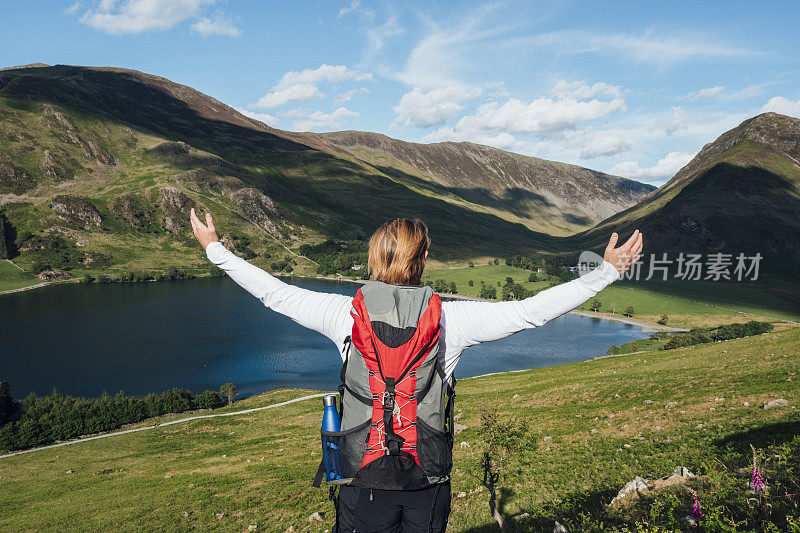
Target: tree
<point x="533" y="277"/>
<point x="470" y="283"/>
<point x="440" y="285"/>
<point x="504" y="438"/>
<point x="453" y="288"/>
<point x="209" y="399"/>
<point x="228" y="391"/>
<point x="172" y="273"/>
<point x="628" y="311"/>
<point x="9" y="407"/>
<point x="488" y="292"/>
<point x="496" y="261"/>
<point x="471" y="264"/>
<point x="663" y="320"/>
<point x="595" y="305"/>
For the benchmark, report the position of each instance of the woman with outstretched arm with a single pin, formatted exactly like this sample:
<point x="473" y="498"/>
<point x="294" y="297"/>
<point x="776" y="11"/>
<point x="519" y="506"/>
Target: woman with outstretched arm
<point x="398" y="485"/>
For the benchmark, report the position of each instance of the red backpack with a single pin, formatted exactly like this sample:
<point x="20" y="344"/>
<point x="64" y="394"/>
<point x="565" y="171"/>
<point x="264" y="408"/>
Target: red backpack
<point x="396" y="405"/>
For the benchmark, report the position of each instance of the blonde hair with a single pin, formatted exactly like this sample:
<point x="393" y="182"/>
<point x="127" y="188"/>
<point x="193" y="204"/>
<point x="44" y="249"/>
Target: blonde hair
<point x="397" y="251"/>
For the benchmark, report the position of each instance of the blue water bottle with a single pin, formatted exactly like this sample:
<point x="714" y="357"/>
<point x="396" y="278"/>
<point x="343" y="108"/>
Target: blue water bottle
<point x="330" y="448"/>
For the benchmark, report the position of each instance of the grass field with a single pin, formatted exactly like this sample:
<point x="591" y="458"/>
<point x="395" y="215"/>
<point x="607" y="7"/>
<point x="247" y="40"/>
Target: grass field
<point x="491" y="274"/>
<point x="12" y="277"/>
<point x="589" y="428"/>
<point x="687" y="303"/>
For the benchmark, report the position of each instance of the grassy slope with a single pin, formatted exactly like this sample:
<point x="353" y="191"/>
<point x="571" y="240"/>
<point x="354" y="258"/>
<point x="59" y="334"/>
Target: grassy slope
<point x="256" y="468"/>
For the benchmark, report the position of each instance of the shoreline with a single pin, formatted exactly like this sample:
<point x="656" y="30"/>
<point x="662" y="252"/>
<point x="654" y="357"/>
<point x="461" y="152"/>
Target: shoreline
<point x="646" y="327"/>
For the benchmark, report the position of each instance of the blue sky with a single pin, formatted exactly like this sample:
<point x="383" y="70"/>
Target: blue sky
<point x="632" y="88"/>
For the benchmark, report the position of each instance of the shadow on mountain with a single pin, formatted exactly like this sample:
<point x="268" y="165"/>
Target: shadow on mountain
<point x="335" y="197"/>
<point x="727" y="208"/>
<point x="577" y="219"/>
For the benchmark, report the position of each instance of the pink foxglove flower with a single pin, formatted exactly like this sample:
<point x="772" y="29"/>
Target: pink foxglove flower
<point x="758" y="480"/>
<point x="697" y="512"/>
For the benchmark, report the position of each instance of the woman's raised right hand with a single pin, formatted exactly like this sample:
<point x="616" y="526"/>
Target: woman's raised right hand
<point x="205" y="233"/>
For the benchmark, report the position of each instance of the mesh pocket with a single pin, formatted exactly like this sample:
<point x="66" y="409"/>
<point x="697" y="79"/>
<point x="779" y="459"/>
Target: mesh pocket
<point x="434" y="449"/>
<point x="343" y="451"/>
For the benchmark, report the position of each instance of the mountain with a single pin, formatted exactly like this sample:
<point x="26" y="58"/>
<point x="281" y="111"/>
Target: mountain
<point x="102" y="164"/>
<point x="556" y="198"/>
<point x="740" y="194"/>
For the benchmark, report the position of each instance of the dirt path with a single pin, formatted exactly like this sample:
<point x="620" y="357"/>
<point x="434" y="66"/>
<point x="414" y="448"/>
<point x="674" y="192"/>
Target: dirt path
<point x="16" y="265"/>
<point x="134" y="430"/>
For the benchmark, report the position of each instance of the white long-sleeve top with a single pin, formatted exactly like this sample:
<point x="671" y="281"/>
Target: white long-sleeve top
<point x="464" y="323"/>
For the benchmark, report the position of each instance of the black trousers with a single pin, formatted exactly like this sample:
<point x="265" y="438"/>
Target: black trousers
<point x="363" y="510"/>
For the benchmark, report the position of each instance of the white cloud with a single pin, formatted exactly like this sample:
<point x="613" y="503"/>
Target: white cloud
<point x="542" y="114"/>
<point x="317" y="120"/>
<point x="446" y="52"/>
<point x="578" y="90"/>
<point x="749" y="92"/>
<point x="497" y="124"/>
<point x="301" y="92"/>
<point x="721" y="93"/>
<point x="645" y="47"/>
<point x="707" y="93"/>
<point x="346" y="96"/>
<point x="263" y="117"/>
<point x="377" y="35"/>
<point x="301" y="86"/>
<point x="605" y="146"/>
<point x="502" y="140"/>
<point x="422" y="109"/>
<point x="71" y="10"/>
<point x="356" y="6"/>
<point x="782" y="105"/>
<point x="136" y="16"/>
<point x="664" y="168"/>
<point x="322" y="73"/>
<point x="219" y="25"/>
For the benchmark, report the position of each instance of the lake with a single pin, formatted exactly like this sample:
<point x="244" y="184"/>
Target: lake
<point x="197" y="334"/>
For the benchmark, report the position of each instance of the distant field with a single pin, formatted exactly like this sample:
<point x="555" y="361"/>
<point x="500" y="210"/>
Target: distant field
<point x="491" y="274"/>
<point x="587" y="429"/>
<point x="687" y="304"/>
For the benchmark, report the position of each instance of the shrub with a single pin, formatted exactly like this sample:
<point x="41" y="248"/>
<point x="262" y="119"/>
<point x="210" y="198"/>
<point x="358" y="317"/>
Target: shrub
<point x="719" y="333"/>
<point x="43" y="420"/>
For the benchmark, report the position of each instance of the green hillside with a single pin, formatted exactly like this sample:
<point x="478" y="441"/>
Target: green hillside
<point x="577" y="434"/>
<point x="99" y="167"/>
